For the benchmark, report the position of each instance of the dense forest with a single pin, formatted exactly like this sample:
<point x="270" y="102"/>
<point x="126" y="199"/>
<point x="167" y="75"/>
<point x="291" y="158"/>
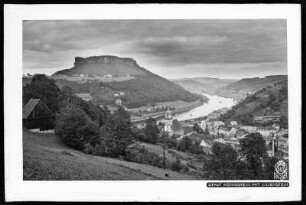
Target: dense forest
<point x="138" y="92"/>
<point x="267" y="101"/>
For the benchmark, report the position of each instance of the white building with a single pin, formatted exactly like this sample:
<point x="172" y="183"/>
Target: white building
<point x="204" y="144"/>
<point x="233" y="123"/>
<point x="220" y="140"/>
<point x="108" y="76"/>
<point x="118" y="101"/>
<point x="218" y="123"/>
<point x="248" y="128"/>
<point x="203" y="125"/>
<point x="168" y="122"/>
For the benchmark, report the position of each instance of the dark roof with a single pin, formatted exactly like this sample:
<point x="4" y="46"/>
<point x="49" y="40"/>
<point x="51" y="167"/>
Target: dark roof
<point x="224" y="127"/>
<point x="29" y="107"/>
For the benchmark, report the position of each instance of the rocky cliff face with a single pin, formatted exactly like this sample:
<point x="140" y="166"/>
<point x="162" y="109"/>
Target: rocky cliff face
<point x="79" y="61"/>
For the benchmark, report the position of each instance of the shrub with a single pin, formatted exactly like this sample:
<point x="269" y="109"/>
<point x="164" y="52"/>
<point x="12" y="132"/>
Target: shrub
<point x="115" y="136"/>
<point x="88" y="148"/>
<point x="151" y="131"/>
<point x="43" y="88"/>
<point x="143" y="156"/>
<point x="176" y="166"/>
<point x="197" y="128"/>
<point x="171" y="142"/>
<point x="184" y="144"/>
<point x="75" y="127"/>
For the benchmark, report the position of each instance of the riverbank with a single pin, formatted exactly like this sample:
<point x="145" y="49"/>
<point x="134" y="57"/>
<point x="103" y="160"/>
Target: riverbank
<point x="215" y="103"/>
<point x="180" y="107"/>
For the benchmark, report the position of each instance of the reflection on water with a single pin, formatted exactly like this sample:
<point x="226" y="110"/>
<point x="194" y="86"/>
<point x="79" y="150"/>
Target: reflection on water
<point x="215" y="102"/>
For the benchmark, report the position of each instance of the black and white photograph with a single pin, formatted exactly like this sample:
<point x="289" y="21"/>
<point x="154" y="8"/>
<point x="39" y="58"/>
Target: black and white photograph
<point x="156" y="99"/>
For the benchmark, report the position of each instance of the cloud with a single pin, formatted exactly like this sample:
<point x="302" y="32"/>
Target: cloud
<point x="157" y="44"/>
<point x="228" y="71"/>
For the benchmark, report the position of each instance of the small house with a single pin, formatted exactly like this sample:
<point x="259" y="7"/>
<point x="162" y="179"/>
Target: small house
<point x="276" y="126"/>
<point x="37" y="115"/>
<point x="118" y="101"/>
<point x="112" y="109"/>
<point x="220" y="140"/>
<point x="233" y="123"/>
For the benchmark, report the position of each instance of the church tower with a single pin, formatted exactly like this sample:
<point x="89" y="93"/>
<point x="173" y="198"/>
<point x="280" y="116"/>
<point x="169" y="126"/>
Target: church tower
<point x="168" y="122"/>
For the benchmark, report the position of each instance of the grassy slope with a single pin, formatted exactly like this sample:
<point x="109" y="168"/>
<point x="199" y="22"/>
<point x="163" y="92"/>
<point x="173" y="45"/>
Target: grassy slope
<point x="172" y="154"/>
<point x="47" y="158"/>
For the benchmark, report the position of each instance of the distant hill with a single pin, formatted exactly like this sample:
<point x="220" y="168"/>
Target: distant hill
<point x="191" y="85"/>
<point x="144" y="87"/>
<point x="208" y="80"/>
<point x="249" y="85"/>
<point x="203" y="84"/>
<point x="269" y="101"/>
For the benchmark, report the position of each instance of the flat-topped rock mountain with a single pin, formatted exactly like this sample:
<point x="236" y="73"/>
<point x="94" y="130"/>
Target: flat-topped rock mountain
<point x="104" y="65"/>
<point x="100" y="76"/>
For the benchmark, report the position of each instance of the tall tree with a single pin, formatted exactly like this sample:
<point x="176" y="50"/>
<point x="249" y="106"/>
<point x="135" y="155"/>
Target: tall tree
<point x="115" y="136"/>
<point x="43" y="88"/>
<point x="151" y="131"/>
<point x="176" y="125"/>
<point x="75" y="127"/>
<point x="184" y="144"/>
<point x="224" y="158"/>
<point x="283" y="122"/>
<point x="253" y="149"/>
<point x="197" y="128"/>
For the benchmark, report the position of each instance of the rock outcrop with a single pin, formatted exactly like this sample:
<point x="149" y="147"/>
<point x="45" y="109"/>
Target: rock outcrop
<point x="79" y="61"/>
<point x="104" y="65"/>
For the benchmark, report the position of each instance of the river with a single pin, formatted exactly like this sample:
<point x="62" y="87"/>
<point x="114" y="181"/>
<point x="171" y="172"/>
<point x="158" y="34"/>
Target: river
<point x="214" y="103"/>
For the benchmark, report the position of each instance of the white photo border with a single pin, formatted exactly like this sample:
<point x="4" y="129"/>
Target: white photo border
<point x="18" y="190"/>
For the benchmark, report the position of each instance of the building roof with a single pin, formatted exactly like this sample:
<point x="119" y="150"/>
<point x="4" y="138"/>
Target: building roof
<point x="226" y="128"/>
<point x="112" y="108"/>
<point x="220" y="140"/>
<point x="29" y="107"/>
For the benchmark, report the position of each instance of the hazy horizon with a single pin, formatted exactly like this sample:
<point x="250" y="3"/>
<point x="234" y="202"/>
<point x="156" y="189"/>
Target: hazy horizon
<point x="227" y="49"/>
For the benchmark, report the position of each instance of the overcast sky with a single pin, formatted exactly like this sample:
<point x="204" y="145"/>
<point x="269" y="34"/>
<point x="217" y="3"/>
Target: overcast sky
<point x="170" y="48"/>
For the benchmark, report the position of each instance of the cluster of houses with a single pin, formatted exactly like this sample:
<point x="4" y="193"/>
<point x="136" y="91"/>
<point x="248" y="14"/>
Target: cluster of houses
<point x="246" y="92"/>
<point x="91" y="76"/>
<point x="231" y="133"/>
<point x="84" y="78"/>
<point x="157" y="108"/>
<point x="118" y="93"/>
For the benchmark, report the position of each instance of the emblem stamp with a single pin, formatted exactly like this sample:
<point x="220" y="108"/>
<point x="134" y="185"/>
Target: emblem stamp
<point x="281" y="170"/>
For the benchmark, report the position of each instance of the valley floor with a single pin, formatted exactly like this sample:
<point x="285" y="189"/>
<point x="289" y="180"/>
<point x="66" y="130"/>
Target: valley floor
<point x="45" y="157"/>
